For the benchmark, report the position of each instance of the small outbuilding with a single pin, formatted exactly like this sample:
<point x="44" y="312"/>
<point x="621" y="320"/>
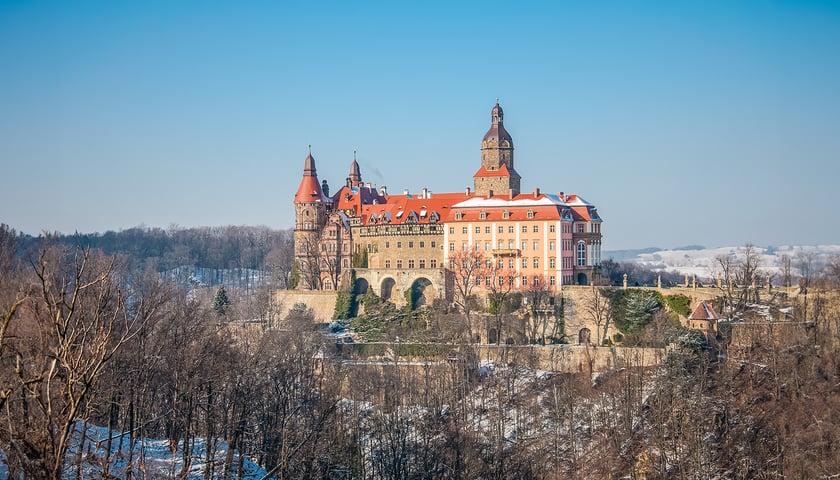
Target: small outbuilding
<point x="704" y="318"/>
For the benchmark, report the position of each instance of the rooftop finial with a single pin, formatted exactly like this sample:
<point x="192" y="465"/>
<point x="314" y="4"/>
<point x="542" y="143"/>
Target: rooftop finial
<point x="354" y="155"/>
<point x="497" y="100"/>
<point x="310" y="149"/>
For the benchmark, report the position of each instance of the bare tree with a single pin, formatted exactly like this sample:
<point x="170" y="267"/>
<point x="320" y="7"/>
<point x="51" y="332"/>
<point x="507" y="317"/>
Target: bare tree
<point x="739" y="275"/>
<point x="73" y="327"/>
<point x="539" y="296"/>
<point x="599" y="310"/>
<point x="467" y="268"/>
<point x="499" y="286"/>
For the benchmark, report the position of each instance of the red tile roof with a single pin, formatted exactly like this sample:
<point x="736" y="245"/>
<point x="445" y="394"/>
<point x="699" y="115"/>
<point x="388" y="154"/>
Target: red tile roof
<point x="309" y="189"/>
<point x="401" y="209"/>
<point x="501" y="172"/>
<point x="704" y="311"/>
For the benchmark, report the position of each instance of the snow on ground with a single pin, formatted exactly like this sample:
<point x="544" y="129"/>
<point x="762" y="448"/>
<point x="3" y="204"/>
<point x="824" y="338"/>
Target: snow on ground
<point x="703" y="262"/>
<point x="150" y="458"/>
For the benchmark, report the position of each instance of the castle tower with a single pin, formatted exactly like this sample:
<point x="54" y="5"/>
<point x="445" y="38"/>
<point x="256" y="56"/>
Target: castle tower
<point x="497" y="174"/>
<point x="311" y="210"/>
<point x="355" y="178"/>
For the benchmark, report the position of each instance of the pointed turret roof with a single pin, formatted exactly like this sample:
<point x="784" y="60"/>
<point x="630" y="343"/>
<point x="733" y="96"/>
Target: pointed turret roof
<point x="310" y="188"/>
<point x="355" y="173"/>
<point x="497" y="130"/>
<point x="704" y="311"/>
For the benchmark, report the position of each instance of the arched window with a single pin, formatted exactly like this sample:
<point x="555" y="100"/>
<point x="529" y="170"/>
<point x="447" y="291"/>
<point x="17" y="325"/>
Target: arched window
<point x="581" y="254"/>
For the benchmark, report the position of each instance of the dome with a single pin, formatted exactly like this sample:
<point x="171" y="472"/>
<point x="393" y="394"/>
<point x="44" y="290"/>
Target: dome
<point x="497" y="135"/>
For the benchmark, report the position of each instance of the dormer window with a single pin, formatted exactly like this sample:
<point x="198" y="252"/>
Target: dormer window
<point x="506" y="214"/>
<point x="530" y="214"/>
<point x="459" y="215"/>
<point x="482" y="215"/>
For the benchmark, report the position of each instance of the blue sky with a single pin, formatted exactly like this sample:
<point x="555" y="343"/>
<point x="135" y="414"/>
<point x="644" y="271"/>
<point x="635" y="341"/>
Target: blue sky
<point x="714" y="123"/>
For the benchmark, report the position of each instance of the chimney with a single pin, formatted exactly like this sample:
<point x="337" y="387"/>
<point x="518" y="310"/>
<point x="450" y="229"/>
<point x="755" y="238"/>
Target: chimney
<point x="510" y="194"/>
<point x="468" y="191"/>
<point x="537" y="192"/>
<point x="405" y="192"/>
<point x="383" y="190"/>
<point x="368" y="185"/>
<point x="425" y="193"/>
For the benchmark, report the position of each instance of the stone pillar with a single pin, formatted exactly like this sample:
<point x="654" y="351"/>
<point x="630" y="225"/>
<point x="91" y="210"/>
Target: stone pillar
<point x="694" y="281"/>
<point x="659" y="282"/>
<point x="624" y="281"/>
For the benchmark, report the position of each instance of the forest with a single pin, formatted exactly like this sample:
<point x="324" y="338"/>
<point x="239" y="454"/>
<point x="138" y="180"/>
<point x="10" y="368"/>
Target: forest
<point x="92" y="332"/>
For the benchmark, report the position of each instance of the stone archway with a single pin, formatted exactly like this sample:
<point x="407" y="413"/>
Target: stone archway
<point x="581" y="279"/>
<point x="492" y="336"/>
<point x="422" y="292"/>
<point x="584" y="336"/>
<point x="387" y="288"/>
<point x="361" y="286"/>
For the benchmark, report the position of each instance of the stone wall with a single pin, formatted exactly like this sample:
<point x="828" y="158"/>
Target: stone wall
<point x="321" y="302"/>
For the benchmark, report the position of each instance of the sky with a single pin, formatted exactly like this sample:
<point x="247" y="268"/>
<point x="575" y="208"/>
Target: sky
<point x="710" y="123"/>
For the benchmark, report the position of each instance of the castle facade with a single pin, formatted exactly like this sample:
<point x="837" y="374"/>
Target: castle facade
<point x="412" y="240"/>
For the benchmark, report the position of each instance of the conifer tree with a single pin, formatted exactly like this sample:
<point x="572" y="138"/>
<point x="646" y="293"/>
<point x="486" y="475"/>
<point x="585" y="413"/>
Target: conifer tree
<point x="221" y="302"/>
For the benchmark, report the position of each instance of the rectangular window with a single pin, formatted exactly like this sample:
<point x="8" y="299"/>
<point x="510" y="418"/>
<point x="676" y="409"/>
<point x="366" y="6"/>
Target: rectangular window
<point x="411" y="263"/>
<point x="551" y="245"/>
<point x="581" y="228"/>
<point x="452" y="247"/>
<point x="536" y="263"/>
<point x="536" y="246"/>
<point x="551" y="280"/>
<point x="434" y="244"/>
<point x="452" y="230"/>
<point x="524" y="228"/>
<point x="477" y="229"/>
<point x="524" y="281"/>
<point x="552" y="263"/>
<point x="433" y="263"/>
<point x="399" y="263"/>
<point x="501" y="244"/>
<point x="452" y="264"/>
<point x="387" y="264"/>
<point x="399" y="244"/>
<point x="422" y="263"/>
<point x="410" y="244"/>
<point x="464" y="247"/>
<point x="524" y="263"/>
<point x="510" y="263"/>
<point x="551" y="228"/>
<point x="487" y="246"/>
<point x="486" y="229"/>
<point x="501" y="229"/>
<point x="536" y="229"/>
<point x="510" y="229"/>
<point x="524" y="245"/>
<point x="510" y="244"/>
<point x="387" y="244"/>
<point x="464" y="230"/>
<point x="422" y="244"/>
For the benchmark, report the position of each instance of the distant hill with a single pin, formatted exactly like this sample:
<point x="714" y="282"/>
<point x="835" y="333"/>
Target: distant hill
<point x="702" y="261"/>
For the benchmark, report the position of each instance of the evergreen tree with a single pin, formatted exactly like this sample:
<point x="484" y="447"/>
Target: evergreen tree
<point x="221" y="302"/>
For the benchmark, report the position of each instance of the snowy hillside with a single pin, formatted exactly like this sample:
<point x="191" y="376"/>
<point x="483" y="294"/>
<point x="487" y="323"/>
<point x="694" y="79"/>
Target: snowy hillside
<point x="150" y="458"/>
<point x="703" y="261"/>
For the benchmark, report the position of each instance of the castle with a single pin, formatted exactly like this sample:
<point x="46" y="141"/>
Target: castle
<point x="395" y="242"/>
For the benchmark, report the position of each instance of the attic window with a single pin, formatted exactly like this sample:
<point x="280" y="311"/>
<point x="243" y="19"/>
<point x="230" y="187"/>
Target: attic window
<point x="506" y="214"/>
<point x="530" y="214"/>
<point x="399" y="214"/>
<point x="482" y="215"/>
<point x="459" y="215"/>
<point x="434" y="217"/>
<point x="423" y="212"/>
